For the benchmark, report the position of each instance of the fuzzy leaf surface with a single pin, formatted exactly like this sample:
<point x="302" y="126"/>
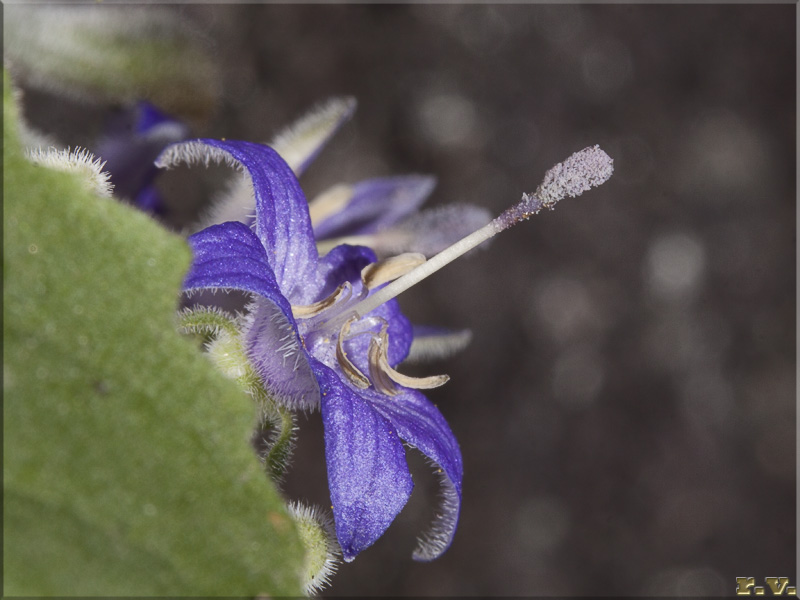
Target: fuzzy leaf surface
<point x="127" y="464"/>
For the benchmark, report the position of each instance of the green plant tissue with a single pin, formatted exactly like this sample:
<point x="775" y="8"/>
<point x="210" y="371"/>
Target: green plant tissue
<point x="127" y="465"/>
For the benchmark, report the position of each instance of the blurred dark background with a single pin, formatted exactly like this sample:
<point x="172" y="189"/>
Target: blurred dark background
<point x="626" y="410"/>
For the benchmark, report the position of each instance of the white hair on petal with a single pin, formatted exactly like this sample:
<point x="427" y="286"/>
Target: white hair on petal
<point x="291" y="381"/>
<point x="79" y="161"/>
<point x="437" y="538"/>
<point x="188" y="294"/>
<point x="295" y="144"/>
<point x="195" y="152"/>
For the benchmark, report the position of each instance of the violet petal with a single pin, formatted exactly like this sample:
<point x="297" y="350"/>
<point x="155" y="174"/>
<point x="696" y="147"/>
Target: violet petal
<point x="377" y="203"/>
<point x="282" y="221"/>
<point x="368" y="475"/>
<point x="230" y="256"/>
<point x="277" y="354"/>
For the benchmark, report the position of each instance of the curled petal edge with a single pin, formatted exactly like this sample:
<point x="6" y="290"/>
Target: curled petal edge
<point x="420" y="424"/>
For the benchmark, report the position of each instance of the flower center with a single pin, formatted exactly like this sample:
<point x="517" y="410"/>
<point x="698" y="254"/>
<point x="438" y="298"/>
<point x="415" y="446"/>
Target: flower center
<point x="333" y="317"/>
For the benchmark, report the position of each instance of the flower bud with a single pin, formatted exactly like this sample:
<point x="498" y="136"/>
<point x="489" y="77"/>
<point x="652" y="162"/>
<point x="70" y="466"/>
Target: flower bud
<point x="322" y="550"/>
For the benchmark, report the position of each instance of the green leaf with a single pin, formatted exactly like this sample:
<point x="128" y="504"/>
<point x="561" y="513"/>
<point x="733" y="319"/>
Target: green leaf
<point x="275" y="434"/>
<point x="127" y="463"/>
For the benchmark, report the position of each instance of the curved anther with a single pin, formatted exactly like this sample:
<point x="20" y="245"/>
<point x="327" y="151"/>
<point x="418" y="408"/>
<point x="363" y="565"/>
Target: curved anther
<point x="385" y="377"/>
<point x="311" y="310"/>
<point x="389" y="269"/>
<point x="356" y="377"/>
<point x="380" y="378"/>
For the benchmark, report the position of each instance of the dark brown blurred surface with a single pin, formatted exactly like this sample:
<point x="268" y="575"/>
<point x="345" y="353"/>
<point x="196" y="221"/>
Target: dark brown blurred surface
<point x="626" y="410"/>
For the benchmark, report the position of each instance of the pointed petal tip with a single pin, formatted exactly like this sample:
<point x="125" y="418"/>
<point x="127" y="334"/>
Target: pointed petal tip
<point x="330" y="113"/>
<point x="348" y="103"/>
<point x="368" y="475"/>
<point x="301" y="142"/>
<point x="349" y="555"/>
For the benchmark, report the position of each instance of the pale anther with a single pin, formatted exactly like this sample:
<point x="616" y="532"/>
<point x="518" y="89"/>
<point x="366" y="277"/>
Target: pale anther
<point x="356" y="377"/>
<point x="389" y="269"/>
<point x="380" y="378"/>
<point x="311" y="310"/>
<point x="384" y="376"/>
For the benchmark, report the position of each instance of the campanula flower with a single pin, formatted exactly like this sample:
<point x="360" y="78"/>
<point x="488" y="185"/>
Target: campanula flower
<point x="326" y="331"/>
<point x="312" y="350"/>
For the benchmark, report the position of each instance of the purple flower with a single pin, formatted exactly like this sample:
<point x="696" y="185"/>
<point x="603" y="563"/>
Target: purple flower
<point x="132" y="140"/>
<point x="311" y="349"/>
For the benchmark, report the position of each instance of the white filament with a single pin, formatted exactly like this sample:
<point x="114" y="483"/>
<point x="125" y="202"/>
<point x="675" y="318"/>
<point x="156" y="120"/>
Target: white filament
<point x="448" y="255"/>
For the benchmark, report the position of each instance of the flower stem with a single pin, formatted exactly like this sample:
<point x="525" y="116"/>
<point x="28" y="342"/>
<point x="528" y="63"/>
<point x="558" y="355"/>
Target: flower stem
<point x="275" y="439"/>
